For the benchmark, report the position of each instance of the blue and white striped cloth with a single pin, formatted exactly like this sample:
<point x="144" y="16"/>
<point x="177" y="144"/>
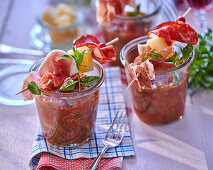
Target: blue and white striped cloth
<point x="111" y="99"/>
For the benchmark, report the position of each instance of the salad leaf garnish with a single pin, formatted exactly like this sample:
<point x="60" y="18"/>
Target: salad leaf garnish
<point x="68" y="85"/>
<point x="33" y="88"/>
<point x="90" y="80"/>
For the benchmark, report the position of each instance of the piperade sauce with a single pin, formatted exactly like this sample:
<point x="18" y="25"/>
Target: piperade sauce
<point x="162" y="104"/>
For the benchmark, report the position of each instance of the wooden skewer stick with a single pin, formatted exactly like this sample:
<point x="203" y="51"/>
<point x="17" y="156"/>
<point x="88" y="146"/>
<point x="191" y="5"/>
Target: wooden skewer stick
<point x="187" y="11"/>
<point x="129" y="86"/>
<point x="112" y="41"/>
<point x="22" y="91"/>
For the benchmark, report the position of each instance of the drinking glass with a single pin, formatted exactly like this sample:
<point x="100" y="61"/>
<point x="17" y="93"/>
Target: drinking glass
<point x="129" y="28"/>
<point x="165" y="102"/>
<point x="200" y="7"/>
<point x="68" y="119"/>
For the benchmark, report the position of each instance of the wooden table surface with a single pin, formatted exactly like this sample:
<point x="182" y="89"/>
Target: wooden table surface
<point x="184" y="145"/>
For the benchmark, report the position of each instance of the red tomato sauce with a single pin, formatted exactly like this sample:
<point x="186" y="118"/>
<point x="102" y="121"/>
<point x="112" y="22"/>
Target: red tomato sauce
<point x="162" y="104"/>
<point x="67" y="121"/>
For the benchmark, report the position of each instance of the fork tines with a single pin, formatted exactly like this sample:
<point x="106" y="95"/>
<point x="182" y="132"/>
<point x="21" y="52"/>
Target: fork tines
<point x="117" y="127"/>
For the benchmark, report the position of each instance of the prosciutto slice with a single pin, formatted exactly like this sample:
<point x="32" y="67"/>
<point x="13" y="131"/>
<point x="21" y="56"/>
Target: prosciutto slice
<point x="141" y="74"/>
<point x="32" y="76"/>
<point x="107" y="9"/>
<point x="175" y="31"/>
<point x="142" y="49"/>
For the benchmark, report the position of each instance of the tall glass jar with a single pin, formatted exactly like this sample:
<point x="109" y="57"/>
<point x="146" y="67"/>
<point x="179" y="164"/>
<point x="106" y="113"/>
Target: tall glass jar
<point x="68" y="119"/>
<point x="129" y="28"/>
<point x="165" y="102"/>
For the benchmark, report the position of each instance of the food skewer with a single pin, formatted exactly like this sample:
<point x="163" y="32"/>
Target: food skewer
<point x="112" y="41"/>
<point x="187" y="11"/>
<point x="184" y="15"/>
<point x="22" y="91"/>
<point x="107" y="44"/>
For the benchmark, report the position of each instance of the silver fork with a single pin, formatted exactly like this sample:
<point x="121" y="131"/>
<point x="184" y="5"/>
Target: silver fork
<point x="113" y="137"/>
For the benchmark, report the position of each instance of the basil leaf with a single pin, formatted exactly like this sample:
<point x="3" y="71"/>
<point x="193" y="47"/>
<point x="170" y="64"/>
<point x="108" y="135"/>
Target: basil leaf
<point x="87" y="51"/>
<point x="156" y="55"/>
<point x="152" y="50"/>
<point x="68" y="85"/>
<point x="74" y="49"/>
<point x="33" y="88"/>
<point x="186" y="51"/>
<point x="65" y="57"/>
<point x="170" y="59"/>
<point x="144" y="58"/>
<point x="135" y="13"/>
<point x="90" y="80"/>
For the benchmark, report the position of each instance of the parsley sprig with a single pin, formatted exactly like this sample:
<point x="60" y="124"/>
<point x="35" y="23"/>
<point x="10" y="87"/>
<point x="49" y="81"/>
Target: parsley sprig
<point x="201" y="69"/>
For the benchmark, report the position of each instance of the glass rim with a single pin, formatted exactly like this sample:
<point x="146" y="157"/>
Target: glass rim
<point x="73" y="95"/>
<point x="138" y="40"/>
<point x="142" y="16"/>
<point x="79" y="20"/>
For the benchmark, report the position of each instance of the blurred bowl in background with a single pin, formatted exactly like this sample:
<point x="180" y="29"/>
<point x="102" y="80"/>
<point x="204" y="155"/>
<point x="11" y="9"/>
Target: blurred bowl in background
<point x="57" y="27"/>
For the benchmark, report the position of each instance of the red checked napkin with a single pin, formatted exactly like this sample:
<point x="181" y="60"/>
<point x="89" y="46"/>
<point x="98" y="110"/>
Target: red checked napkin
<point x="49" y="161"/>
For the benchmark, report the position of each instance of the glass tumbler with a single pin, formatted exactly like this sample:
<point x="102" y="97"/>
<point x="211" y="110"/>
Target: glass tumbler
<point x="165" y="102"/>
<point x="68" y="119"/>
<point x="129" y="28"/>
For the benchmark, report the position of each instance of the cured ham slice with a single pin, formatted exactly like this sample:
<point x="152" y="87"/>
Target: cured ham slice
<point x="52" y="65"/>
<point x="142" y="49"/>
<point x="32" y="76"/>
<point x="86" y="38"/>
<point x="175" y="31"/>
<point x="161" y="65"/>
<point x="108" y="9"/>
<point x="139" y="76"/>
<point x="100" y="51"/>
<point x="102" y="55"/>
<point x="53" y="72"/>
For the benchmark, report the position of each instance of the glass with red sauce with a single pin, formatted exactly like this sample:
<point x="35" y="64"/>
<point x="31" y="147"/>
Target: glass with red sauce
<point x="165" y="102"/>
<point x="129" y="28"/>
<point x="68" y="119"/>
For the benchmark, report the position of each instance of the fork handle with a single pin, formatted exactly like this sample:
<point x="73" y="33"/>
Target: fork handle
<point x="97" y="159"/>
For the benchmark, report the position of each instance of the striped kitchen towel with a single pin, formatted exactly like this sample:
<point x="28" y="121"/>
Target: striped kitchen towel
<point x="110" y="101"/>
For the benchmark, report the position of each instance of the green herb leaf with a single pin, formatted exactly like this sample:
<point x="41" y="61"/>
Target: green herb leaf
<point x="65" y="57"/>
<point x="144" y="58"/>
<point x="33" y="88"/>
<point x="90" y="80"/>
<point x="186" y="52"/>
<point x="135" y="13"/>
<point x="152" y="50"/>
<point x="79" y="56"/>
<point x="156" y="55"/>
<point x="68" y="85"/>
<point x="171" y="59"/>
